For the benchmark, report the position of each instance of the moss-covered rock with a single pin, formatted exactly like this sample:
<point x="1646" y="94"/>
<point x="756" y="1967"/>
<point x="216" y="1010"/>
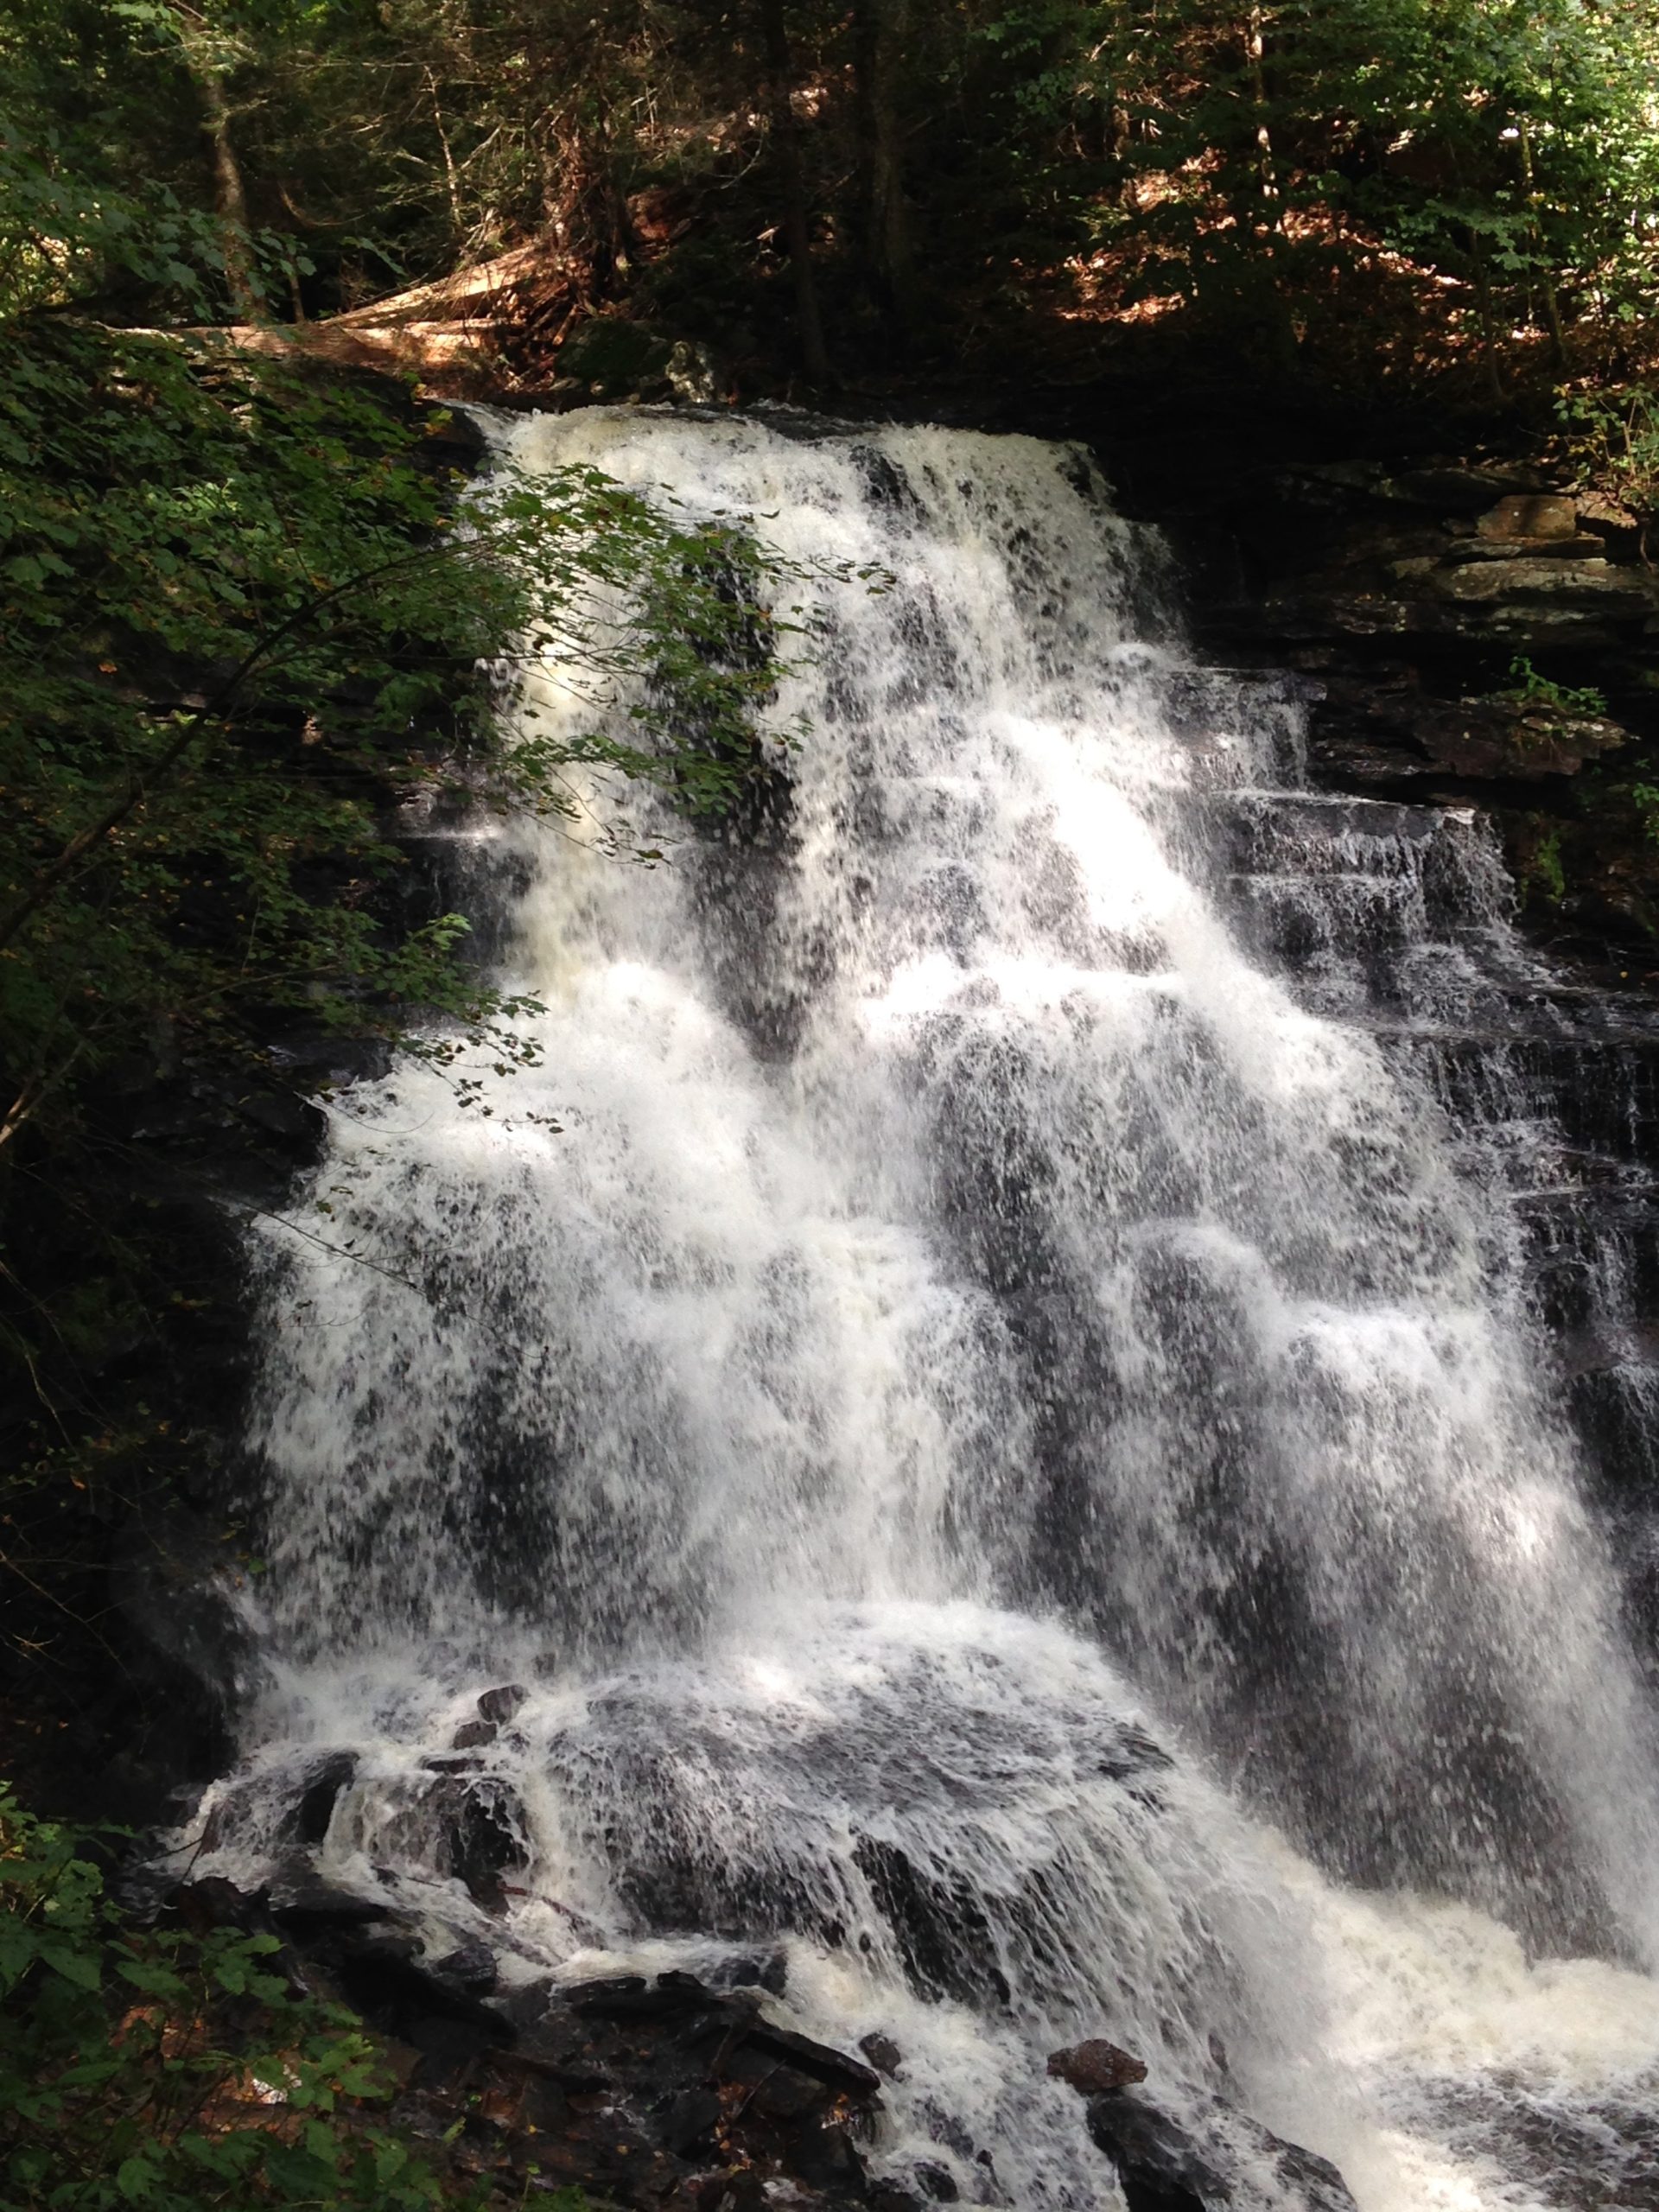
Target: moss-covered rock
<point x="618" y="359"/>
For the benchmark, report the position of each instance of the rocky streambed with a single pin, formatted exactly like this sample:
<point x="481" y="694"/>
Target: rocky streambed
<point x="672" y="2091"/>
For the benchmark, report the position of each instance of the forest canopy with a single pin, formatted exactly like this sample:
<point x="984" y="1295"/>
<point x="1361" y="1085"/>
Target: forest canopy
<point x="1370" y="188"/>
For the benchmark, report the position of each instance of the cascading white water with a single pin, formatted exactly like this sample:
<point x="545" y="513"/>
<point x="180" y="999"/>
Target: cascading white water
<point x="940" y="1275"/>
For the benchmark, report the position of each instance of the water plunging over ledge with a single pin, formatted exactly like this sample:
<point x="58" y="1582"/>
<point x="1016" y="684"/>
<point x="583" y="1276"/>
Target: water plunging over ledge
<point x="988" y="1391"/>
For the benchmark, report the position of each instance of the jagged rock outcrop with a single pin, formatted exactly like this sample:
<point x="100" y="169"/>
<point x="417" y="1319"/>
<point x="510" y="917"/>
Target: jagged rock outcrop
<point x="1162" y="2165"/>
<point x="683" y="2093"/>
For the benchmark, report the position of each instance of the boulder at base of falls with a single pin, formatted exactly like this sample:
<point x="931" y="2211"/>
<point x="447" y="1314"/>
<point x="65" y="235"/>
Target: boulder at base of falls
<point x="1160" y="2165"/>
<point x="650" y="2093"/>
<point x="664" y="2093"/>
<point x="1164" y="2165"/>
<point x="323" y="1783"/>
<point x="500" y="1705"/>
<point x="667" y="2091"/>
<point x="483" y="1831"/>
<point x="1097" y="2065"/>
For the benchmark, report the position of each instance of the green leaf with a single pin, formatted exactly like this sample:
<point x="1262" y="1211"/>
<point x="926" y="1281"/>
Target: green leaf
<point x="83" y="1968"/>
<point x="136" y="2177"/>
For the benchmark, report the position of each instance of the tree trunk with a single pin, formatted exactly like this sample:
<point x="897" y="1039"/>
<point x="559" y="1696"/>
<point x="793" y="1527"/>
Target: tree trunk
<point x="1488" y="320"/>
<point x="1266" y="175"/>
<point x="1546" y="276"/>
<point x="452" y="183"/>
<point x="879" y="29"/>
<point x="230" y="198"/>
<point x="585" y="214"/>
<point x="787" y="151"/>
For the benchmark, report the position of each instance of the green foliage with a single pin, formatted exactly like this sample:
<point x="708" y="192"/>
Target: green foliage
<point x="1265" y="154"/>
<point x="1543" y="870"/>
<point x="1489" y="167"/>
<point x="241" y="611"/>
<point x="237" y="614"/>
<point x="247" y="613"/>
<point x="1529" y="688"/>
<point x="1612" y="434"/>
<point x="172" y="2072"/>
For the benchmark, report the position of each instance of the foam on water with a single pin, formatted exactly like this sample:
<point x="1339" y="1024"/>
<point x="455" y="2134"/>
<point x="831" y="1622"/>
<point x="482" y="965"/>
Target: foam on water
<point x="996" y="1433"/>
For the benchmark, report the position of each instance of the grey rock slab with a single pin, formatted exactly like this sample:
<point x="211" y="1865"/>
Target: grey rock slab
<point x="1595" y="585"/>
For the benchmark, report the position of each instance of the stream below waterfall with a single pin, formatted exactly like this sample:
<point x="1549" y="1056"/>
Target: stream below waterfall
<point x="991" y="1397"/>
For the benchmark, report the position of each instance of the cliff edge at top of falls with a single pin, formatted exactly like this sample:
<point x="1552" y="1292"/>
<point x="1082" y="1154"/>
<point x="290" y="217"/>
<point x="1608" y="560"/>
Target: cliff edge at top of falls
<point x="1475" y="616"/>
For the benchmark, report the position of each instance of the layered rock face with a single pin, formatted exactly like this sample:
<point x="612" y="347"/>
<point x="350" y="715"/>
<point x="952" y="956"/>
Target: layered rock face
<point x="1408" y="595"/>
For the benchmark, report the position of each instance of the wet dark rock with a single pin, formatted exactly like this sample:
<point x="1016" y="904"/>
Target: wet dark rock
<point x="833" y="2068"/>
<point x="681" y="2073"/>
<point x="471" y="1969"/>
<point x="688" y="2120"/>
<point x="1132" y="1752"/>
<point x="886" y="484"/>
<point x="889" y="2197"/>
<point x="783" y="2093"/>
<point x="215" y="1901"/>
<point x="826" y="2158"/>
<point x="654" y="2093"/>
<point x="942" y="1933"/>
<point x="294" y="1123"/>
<point x="483" y="1832"/>
<point x="882" y="2052"/>
<point x="213" y="1904"/>
<point x="1160" y="2167"/>
<point x="421" y="2005"/>
<point x="743" y="1972"/>
<point x="937" y="2182"/>
<point x="311" y="1911"/>
<point x="1314" y="2179"/>
<point x="447" y="2047"/>
<point x="631" y="1997"/>
<point x="1096" y="2065"/>
<point x="323" y="1785"/>
<point x="1164" y="2165"/>
<point x="500" y="1705"/>
<point x="473" y="1733"/>
<point x="317" y="1061"/>
<point x="611" y="2159"/>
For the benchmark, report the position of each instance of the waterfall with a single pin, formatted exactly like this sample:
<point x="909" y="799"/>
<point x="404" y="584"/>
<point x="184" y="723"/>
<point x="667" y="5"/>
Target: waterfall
<point x="987" y="1393"/>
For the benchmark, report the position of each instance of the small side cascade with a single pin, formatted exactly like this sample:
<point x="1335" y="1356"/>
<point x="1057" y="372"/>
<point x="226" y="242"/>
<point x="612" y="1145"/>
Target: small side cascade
<point x="1397" y="917"/>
